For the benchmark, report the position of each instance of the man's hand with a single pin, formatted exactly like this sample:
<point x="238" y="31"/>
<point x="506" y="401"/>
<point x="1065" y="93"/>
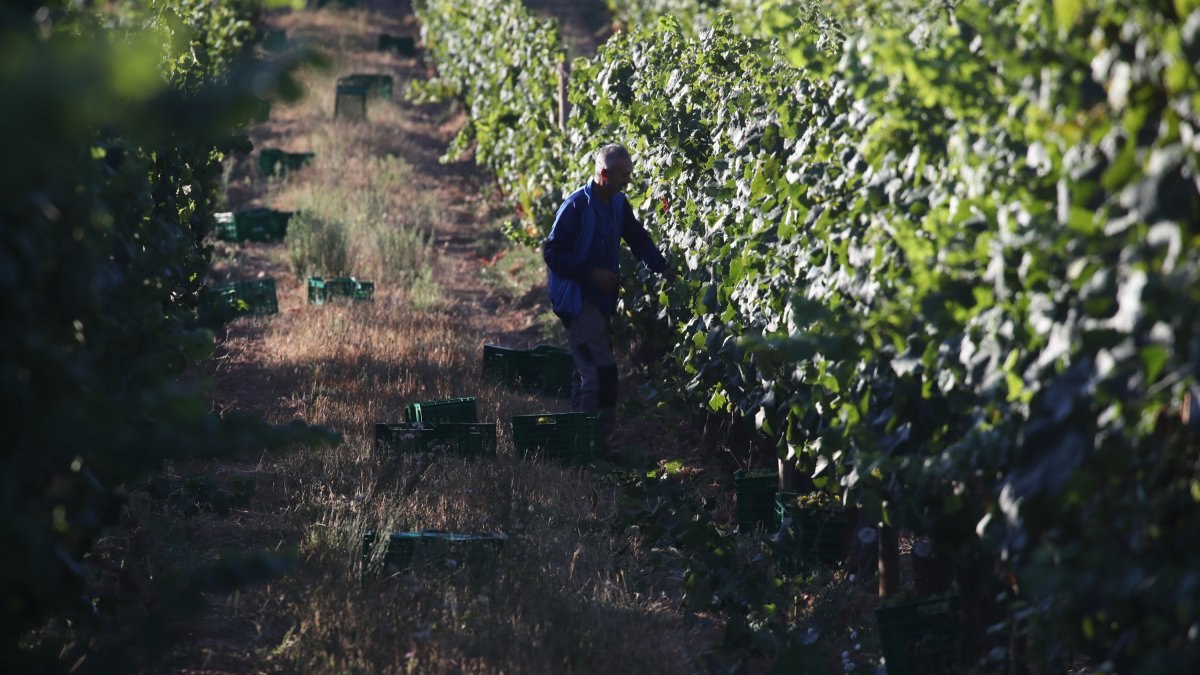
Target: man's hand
<point x="604" y="280"/>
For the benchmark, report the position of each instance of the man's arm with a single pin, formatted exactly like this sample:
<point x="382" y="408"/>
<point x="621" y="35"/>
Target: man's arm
<point x="639" y="242"/>
<point x="558" y="248"/>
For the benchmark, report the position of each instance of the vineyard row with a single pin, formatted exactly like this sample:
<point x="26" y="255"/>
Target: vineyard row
<point x="943" y="256"/>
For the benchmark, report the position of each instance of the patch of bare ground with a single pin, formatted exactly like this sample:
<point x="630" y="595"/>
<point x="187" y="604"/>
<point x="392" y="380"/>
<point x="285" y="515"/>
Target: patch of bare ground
<point x="562" y="595"/>
<point x="583" y="24"/>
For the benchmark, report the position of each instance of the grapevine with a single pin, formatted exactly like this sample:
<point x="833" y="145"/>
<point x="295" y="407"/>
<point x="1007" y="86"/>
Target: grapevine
<point x="948" y="265"/>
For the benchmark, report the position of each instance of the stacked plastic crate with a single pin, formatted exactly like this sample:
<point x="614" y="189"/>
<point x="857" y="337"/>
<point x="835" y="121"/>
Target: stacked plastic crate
<point x="449" y="426"/>
<point x="322" y="290"/>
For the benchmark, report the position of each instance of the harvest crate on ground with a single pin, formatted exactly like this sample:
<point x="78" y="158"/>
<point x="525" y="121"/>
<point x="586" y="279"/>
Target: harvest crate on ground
<point x="556" y="367"/>
<point x="503" y="363"/>
<point x="755" y="494"/>
<point x="819" y="534"/>
<point x="272" y="161"/>
<point x="546" y="370"/>
<point x="461" y="410"/>
<point x="260" y="224"/>
<point x="256" y="296"/>
<point x="465" y="439"/>
<point x="920" y="637"/>
<point x="413" y="549"/>
<point x="404" y="44"/>
<point x="567" y="437"/>
<point x="321" y="290"/>
<point x="375" y="84"/>
<point x="350" y="103"/>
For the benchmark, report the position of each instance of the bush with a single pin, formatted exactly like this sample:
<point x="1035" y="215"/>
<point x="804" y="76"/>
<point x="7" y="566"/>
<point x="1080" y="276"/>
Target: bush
<point x="113" y="142"/>
<point x="318" y="247"/>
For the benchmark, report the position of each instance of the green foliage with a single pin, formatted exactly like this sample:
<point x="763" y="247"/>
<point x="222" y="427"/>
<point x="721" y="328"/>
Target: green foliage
<point x="973" y="316"/>
<point x="317" y="246"/>
<point x="113" y="131"/>
<point x="502" y="62"/>
<point x="948" y="262"/>
<point x="809" y="30"/>
<point x="721" y="572"/>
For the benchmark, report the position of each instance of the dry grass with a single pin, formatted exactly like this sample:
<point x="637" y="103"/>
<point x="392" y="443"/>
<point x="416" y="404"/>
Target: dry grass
<point x="554" y="600"/>
<point x="559" y="597"/>
<point x="361" y="208"/>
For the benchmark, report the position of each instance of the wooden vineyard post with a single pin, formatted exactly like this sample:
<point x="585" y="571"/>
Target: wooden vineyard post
<point x="889" y="561"/>
<point x="563" y="77"/>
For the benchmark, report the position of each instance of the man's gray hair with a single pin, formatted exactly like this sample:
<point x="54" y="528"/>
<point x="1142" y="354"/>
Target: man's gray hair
<point x="610" y="153"/>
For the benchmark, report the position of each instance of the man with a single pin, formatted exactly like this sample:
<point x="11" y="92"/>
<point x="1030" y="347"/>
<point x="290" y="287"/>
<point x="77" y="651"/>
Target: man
<point x="583" y="257"/>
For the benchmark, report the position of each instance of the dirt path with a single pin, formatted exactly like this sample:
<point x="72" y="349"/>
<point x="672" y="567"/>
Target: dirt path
<point x="465" y="194"/>
<point x="583" y="24"/>
<point x="562" y="597"/>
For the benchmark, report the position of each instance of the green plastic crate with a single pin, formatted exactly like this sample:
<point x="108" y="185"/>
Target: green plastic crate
<point x="504" y="363"/>
<point x="259" y="224"/>
<point x="376" y="85"/>
<point x="921" y="637"/>
<point x="350" y="103"/>
<point x="755" y="494"/>
<point x="554" y="367"/>
<point x="819" y="534"/>
<point x="262" y="111"/>
<point x="476" y="439"/>
<point x="226" y="301"/>
<point x="404" y="44"/>
<point x="224" y="227"/>
<point x="545" y="370"/>
<point x="460" y="410"/>
<point x="272" y="161"/>
<point x="321" y="290"/>
<point x="572" y="438"/>
<point x="415" y="549"/>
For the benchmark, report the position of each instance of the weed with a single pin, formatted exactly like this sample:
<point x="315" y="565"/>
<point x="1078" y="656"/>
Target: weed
<point x="317" y="246"/>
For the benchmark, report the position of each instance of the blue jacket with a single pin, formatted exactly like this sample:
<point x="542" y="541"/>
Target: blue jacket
<point x="574" y="248"/>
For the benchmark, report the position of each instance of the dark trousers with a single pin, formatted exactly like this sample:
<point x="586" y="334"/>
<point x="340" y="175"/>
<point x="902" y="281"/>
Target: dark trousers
<point x="594" y="386"/>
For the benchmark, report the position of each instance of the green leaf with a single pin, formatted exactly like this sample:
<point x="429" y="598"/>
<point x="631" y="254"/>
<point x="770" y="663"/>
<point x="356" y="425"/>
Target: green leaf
<point x="1066" y="13"/>
<point x="717" y="401"/>
<point x="698" y="591"/>
<point x="762" y="423"/>
<point x="872" y="506"/>
<point x="1154" y="357"/>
